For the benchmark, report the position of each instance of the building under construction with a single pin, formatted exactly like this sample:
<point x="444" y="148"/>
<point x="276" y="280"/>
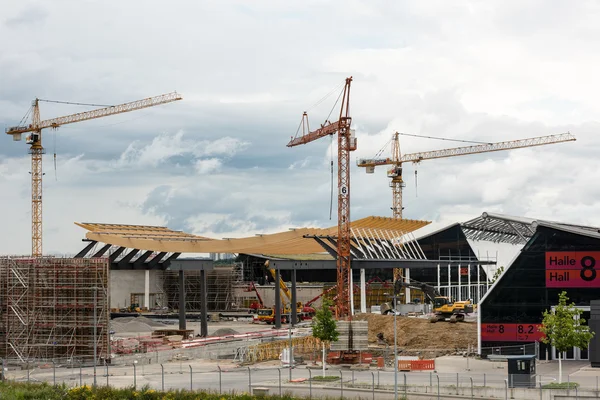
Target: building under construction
<point x="54" y="308"/>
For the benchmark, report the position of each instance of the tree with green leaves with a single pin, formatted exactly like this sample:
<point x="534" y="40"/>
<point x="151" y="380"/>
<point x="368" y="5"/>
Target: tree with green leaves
<point x="497" y="274"/>
<point x="564" y="328"/>
<point x="324" y="326"/>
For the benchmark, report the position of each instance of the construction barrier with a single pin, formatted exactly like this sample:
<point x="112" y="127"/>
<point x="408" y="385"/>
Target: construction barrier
<point x="416" y="365"/>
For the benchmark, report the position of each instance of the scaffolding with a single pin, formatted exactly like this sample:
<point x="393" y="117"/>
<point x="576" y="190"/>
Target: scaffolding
<point x="219" y="289"/>
<point x="47" y="309"/>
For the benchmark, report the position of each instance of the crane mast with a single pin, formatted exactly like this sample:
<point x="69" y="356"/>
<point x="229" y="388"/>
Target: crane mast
<point x="396" y="161"/>
<point x="37" y="150"/>
<point x="346" y="144"/>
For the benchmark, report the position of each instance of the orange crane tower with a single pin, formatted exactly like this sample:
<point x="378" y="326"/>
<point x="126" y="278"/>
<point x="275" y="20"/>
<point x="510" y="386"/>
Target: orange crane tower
<point x="346" y="144"/>
<point x="395" y="172"/>
<point x="37" y="150"/>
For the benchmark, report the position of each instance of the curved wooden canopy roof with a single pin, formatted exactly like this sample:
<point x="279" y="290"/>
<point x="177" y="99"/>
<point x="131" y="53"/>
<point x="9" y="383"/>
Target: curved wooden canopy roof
<point x="162" y="239"/>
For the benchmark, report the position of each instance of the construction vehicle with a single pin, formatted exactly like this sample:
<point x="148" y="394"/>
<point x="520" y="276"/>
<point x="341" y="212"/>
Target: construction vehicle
<point x="267" y="314"/>
<point x="255" y="305"/>
<point x="34" y="139"/>
<point x="444" y="308"/>
<point x="300" y="308"/>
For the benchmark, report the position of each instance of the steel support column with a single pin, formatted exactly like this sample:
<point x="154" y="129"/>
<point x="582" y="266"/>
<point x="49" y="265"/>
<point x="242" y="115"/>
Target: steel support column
<point x="294" y="310"/>
<point x="277" y="321"/>
<point x="182" y="324"/>
<point x="203" y="305"/>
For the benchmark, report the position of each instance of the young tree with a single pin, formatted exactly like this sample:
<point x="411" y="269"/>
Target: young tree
<point x="564" y="329"/>
<point x="497" y="274"/>
<point x="324" y="327"/>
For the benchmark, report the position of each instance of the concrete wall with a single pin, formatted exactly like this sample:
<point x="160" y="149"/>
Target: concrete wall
<point x="123" y="283"/>
<point x="211" y="351"/>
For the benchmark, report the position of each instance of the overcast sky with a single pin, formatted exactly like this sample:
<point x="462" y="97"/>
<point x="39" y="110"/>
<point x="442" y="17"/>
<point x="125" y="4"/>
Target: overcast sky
<point x="216" y="163"/>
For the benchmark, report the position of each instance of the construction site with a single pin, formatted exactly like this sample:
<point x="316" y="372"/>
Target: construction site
<point x="138" y="289"/>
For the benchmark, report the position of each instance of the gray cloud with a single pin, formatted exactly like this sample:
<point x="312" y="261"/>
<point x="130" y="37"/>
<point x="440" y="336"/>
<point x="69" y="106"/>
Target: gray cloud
<point x="475" y="71"/>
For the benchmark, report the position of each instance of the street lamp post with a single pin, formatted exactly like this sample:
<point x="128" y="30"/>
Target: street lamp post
<point x="290" y="354"/>
<point x="395" y="351"/>
<point x="95" y="323"/>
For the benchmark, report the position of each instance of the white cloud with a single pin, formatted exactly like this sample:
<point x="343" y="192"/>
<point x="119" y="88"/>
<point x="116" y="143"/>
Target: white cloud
<point x="167" y="146"/>
<point x="485" y="71"/>
<point x="208" y="165"/>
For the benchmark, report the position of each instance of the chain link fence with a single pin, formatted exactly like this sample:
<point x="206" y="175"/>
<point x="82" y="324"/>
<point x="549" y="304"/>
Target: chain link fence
<point x="303" y="380"/>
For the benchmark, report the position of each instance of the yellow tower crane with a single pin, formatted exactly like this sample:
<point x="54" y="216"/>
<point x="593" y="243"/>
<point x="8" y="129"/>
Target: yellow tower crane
<point x="37" y="150"/>
<point x="395" y="172"/>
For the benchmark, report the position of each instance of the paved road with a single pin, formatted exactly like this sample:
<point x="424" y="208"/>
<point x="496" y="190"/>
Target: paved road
<point x="205" y="375"/>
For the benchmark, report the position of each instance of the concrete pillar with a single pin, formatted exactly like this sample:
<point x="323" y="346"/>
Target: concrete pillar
<point x="478" y="285"/>
<point x="147" y="290"/>
<point x="203" y="305"/>
<point x="459" y="285"/>
<point x="439" y="283"/>
<point x="182" y="324"/>
<point x="449" y="281"/>
<point x="277" y="299"/>
<point x="294" y="316"/>
<point x="469" y="281"/>
<point x="363" y="292"/>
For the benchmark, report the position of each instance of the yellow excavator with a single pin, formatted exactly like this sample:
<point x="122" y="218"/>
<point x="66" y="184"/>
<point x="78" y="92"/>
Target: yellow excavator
<point x="444" y="308"/>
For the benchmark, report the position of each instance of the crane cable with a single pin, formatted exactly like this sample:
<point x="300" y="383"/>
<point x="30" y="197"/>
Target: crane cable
<point x="319" y="102"/>
<point x="25" y="116"/>
<point x="325" y="97"/>
<point x="331" y="196"/>
<point x="334" y="104"/>
<point x="440" y="138"/>
<point x="75" y="103"/>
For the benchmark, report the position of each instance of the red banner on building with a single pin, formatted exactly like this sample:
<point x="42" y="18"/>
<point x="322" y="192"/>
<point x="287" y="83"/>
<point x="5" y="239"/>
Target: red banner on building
<point x="510" y="333"/>
<point x="572" y="269"/>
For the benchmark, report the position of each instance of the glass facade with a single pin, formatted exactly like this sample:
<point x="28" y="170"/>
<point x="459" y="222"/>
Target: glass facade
<point x="521" y="295"/>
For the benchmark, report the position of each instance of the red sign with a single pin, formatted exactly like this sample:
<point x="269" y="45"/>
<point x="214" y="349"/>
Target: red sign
<point x="464" y="271"/>
<point x="510" y="332"/>
<point x="572" y="269"/>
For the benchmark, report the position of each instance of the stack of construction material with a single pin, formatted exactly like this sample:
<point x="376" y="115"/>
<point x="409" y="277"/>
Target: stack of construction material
<point x="354" y="335"/>
<point x="126" y="346"/>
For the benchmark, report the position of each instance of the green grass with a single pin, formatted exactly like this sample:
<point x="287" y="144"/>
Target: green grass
<point x="326" y="378"/>
<point x="44" y="391"/>
<point x="564" y="385"/>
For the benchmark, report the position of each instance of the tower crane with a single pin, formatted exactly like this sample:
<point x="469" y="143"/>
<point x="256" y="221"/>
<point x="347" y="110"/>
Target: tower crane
<point x="395" y="172"/>
<point x="37" y="150"/>
<point x="346" y="144"/>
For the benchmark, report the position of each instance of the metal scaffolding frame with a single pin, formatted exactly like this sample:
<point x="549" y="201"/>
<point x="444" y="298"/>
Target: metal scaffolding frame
<point x="47" y="308"/>
<point x="219" y="289"/>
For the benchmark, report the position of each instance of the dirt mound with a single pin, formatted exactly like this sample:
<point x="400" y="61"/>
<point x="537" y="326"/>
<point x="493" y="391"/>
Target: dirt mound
<point x="420" y="335"/>
<point x="224" y="332"/>
<point x="150" y="322"/>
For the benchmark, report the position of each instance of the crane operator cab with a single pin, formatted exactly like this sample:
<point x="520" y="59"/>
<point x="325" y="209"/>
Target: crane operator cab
<point x="32" y="138"/>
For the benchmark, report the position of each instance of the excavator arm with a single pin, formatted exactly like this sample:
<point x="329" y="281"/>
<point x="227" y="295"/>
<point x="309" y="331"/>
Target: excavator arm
<point x="429" y="291"/>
